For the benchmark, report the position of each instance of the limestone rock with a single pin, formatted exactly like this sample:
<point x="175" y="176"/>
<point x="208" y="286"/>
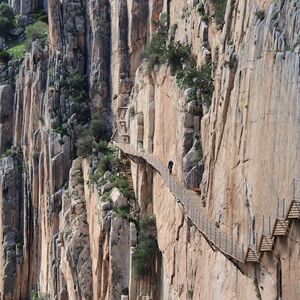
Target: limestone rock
<point x="118" y="199"/>
<point x="107" y="187"/>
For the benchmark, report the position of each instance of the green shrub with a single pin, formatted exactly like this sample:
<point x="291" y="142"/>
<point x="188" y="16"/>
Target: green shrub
<point x="146" y="250"/>
<point x="157" y="46"/>
<point x="104" y="165"/>
<point x="260" y="15"/>
<point x="101" y="146"/>
<point x="94" y="134"/>
<point x="7" y="11"/>
<point x="78" y="87"/>
<point x="78" y="178"/>
<point x="4" y="56"/>
<point x="17" y="50"/>
<point x="77" y="81"/>
<point x="176" y="54"/>
<point x="147" y="223"/>
<point x="197" y="79"/>
<point x="121" y="182"/>
<point x="123" y="212"/>
<point x="7" y="19"/>
<point x="36" y="31"/>
<point x="98" y="130"/>
<point x="4" y="25"/>
<point x="109" y="162"/>
<point x="219" y="7"/>
<point x="202" y="13"/>
<point x="43" y="18"/>
<point x="85" y="145"/>
<point x="123" y="186"/>
<point x="61" y="129"/>
<point x="106" y="197"/>
<point x="14" y="152"/>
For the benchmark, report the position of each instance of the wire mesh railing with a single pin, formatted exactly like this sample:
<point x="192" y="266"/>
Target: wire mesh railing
<point x="212" y="233"/>
<point x="192" y="179"/>
<point x="219" y="239"/>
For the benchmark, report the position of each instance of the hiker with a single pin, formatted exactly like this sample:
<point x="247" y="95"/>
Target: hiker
<point x="170" y="166"/>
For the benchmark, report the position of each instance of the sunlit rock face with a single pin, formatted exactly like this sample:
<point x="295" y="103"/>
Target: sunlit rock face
<point x="69" y="225"/>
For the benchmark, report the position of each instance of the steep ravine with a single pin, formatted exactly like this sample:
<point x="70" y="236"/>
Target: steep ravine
<point x="80" y="219"/>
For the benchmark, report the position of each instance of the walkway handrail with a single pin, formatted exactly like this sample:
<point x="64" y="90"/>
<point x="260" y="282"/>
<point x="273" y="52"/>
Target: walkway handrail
<point x="219" y="239"/>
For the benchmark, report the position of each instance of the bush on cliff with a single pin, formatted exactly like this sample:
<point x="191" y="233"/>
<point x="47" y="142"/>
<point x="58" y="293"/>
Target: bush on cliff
<point x="92" y="135"/>
<point x="219" y="7"/>
<point x="183" y="65"/>
<point x="197" y="80"/>
<point x="260" y="15"/>
<point x="77" y="81"/>
<point x="147" y="248"/>
<point x="36" y="31"/>
<point x="154" y="52"/>
<point x="85" y="145"/>
<point x="7" y="19"/>
<point x="17" y="50"/>
<point x="176" y="54"/>
<point x="4" y="56"/>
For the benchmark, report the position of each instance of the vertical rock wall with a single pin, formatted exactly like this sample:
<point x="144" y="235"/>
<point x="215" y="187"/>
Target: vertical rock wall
<point x="61" y="239"/>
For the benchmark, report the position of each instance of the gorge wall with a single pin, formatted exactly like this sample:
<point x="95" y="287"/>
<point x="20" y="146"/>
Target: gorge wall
<point x="79" y="218"/>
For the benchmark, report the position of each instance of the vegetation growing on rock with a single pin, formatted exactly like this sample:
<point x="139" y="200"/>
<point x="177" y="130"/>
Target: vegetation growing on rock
<point x="260" y="15"/>
<point x="182" y="63"/>
<point x="7" y="19"/>
<point x="219" y="7"/>
<point x="17" y="43"/>
<point x="4" y="56"/>
<point x="147" y="248"/>
<point x="36" y="31"/>
<point x="218" y="14"/>
<point x="92" y="135"/>
<point x="17" y="50"/>
<point x="156" y="49"/>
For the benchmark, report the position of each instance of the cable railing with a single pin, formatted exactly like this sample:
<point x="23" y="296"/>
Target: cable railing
<point x="259" y="241"/>
<point x="188" y="198"/>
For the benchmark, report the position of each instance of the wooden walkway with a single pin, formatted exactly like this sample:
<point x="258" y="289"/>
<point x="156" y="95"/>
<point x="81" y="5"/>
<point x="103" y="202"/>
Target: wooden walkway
<point x="272" y="227"/>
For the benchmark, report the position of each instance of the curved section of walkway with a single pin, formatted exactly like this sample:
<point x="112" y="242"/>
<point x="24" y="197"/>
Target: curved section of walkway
<point x="278" y="227"/>
<point x="190" y="201"/>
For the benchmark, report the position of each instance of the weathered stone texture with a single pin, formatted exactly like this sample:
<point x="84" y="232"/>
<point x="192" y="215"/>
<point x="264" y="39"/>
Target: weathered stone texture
<point x="60" y="238"/>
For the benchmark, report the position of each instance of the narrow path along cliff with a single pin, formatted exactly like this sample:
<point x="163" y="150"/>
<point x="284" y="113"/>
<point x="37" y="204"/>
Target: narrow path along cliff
<point x="149" y="149"/>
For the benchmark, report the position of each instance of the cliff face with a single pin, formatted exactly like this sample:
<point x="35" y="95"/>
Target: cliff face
<point x="74" y="224"/>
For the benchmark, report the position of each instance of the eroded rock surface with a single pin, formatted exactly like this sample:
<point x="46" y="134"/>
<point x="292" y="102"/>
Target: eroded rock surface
<point x="67" y="233"/>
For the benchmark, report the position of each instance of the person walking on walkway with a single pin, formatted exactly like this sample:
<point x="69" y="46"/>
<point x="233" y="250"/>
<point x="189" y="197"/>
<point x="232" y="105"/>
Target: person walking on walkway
<point x="170" y="166"/>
